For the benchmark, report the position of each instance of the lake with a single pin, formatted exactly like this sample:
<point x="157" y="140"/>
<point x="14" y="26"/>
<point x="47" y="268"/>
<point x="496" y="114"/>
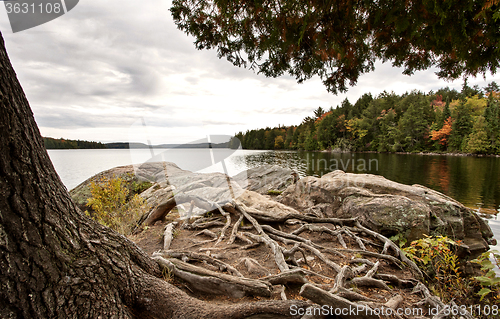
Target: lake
<point x="473" y="181"/>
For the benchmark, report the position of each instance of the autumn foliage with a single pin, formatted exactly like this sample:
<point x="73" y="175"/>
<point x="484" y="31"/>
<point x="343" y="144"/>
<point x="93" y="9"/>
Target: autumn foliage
<point x="443" y="134"/>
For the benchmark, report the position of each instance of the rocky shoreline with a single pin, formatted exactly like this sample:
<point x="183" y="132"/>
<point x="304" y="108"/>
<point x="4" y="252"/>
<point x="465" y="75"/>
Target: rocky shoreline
<point x="411" y="153"/>
<point x="325" y="240"/>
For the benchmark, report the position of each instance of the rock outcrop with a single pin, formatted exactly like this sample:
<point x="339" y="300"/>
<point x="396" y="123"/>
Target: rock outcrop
<point x="388" y="207"/>
<point x="382" y="205"/>
<point x="266" y="178"/>
<point x="324" y="239"/>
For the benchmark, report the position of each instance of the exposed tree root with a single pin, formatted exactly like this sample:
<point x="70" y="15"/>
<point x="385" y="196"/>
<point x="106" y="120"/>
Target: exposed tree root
<point x="168" y="235"/>
<point x="212" y="282"/>
<point x="322" y="297"/>
<point x="254" y="267"/>
<point x="328" y="285"/>
<point x="187" y="255"/>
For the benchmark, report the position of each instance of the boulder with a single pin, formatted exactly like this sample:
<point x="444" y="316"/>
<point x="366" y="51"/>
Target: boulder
<point x="168" y="180"/>
<point x="266" y="178"/>
<point x="389" y="208"/>
<point x="382" y="205"/>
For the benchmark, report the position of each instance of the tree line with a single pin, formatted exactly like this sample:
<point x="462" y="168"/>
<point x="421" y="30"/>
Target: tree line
<point x="60" y="143"/>
<point x="443" y="121"/>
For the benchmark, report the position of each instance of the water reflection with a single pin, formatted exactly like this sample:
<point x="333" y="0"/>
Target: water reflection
<point x="474" y="181"/>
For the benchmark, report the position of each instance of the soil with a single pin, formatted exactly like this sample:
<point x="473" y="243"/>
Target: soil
<point x="151" y="240"/>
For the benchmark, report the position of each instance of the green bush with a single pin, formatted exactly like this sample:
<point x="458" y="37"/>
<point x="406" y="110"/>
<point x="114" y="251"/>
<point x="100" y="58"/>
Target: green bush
<point x="139" y="187"/>
<point x="436" y="256"/>
<point x="110" y="205"/>
<point x="489" y="281"/>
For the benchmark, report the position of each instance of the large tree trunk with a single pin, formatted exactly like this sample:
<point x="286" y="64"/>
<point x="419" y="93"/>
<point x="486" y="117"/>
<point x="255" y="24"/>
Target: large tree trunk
<point x="56" y="262"/>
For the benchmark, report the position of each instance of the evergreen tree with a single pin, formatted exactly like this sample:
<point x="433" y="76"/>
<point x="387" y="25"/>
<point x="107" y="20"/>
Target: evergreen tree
<point x="319" y="112"/>
<point x="492" y="118"/>
<point x="340" y="41"/>
<point x="310" y="143"/>
<point x="461" y="128"/>
<point x="346" y="107"/>
<point x="415" y="121"/>
<point x="492" y="87"/>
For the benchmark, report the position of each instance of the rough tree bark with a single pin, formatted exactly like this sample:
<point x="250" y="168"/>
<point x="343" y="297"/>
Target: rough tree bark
<point x="56" y="262"/>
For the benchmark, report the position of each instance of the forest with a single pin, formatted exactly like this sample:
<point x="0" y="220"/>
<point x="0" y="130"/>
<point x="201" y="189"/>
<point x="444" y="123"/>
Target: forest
<point x="60" y="143"/>
<point x="445" y="121"/>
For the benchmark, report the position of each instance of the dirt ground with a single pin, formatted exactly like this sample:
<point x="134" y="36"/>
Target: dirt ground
<point x="151" y="240"/>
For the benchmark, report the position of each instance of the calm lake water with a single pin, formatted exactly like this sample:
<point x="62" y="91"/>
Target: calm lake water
<point x="474" y="181"/>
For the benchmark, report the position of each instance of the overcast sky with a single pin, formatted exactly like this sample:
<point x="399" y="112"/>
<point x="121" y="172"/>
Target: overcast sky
<point x="106" y="68"/>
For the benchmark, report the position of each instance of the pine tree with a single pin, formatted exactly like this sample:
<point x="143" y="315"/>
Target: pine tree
<point x="491" y="115"/>
<point x="340" y="41"/>
<point x="461" y="128"/>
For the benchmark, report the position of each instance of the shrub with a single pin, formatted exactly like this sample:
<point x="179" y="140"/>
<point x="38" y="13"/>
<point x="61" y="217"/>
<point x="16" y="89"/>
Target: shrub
<point x="437" y="258"/>
<point x="489" y="281"/>
<point x="139" y="187"/>
<point x="110" y="205"/>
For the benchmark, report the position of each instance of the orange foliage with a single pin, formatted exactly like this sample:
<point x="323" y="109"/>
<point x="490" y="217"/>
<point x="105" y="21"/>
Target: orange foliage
<point x="496" y="95"/>
<point x="443" y="134"/>
<point x="322" y="117"/>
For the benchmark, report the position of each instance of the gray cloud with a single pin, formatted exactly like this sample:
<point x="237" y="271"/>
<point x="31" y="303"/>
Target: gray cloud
<point x="123" y="60"/>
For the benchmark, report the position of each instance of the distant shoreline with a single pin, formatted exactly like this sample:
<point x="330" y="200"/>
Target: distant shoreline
<point x="65" y="144"/>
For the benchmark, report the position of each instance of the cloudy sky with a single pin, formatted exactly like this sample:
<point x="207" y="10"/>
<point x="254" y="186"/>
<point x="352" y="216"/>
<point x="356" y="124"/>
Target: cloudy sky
<point x="121" y="71"/>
